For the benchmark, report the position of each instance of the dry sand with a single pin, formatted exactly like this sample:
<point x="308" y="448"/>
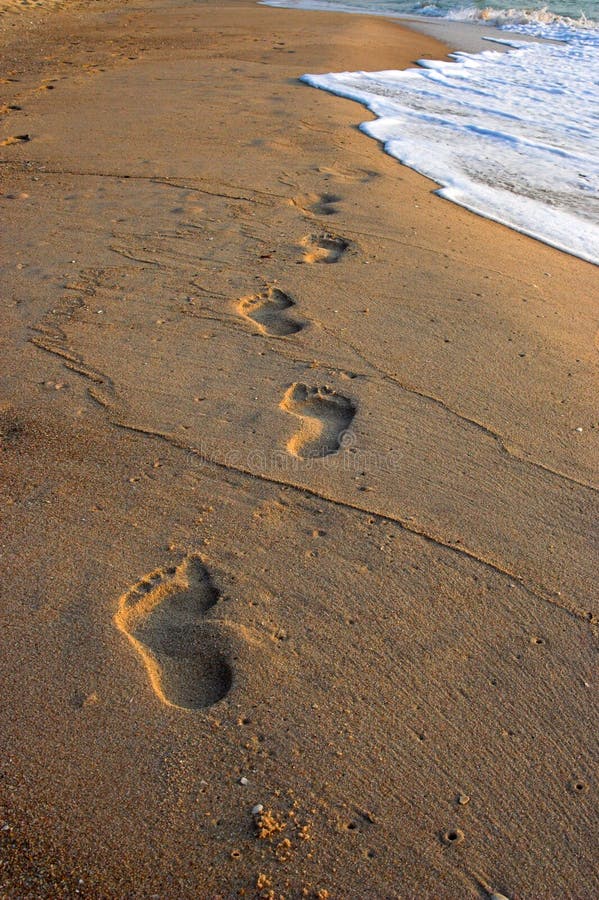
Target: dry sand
<point x="22" y="7"/>
<point x="210" y="279"/>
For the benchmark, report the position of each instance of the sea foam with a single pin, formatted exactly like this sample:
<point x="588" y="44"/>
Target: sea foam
<point x="512" y="136"/>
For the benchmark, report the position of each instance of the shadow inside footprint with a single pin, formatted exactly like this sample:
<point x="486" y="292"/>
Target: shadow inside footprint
<point x="11" y="428"/>
<point x="325" y="248"/>
<point x="268" y="311"/>
<point x="163" y="617"/>
<point x="325" y="419"/>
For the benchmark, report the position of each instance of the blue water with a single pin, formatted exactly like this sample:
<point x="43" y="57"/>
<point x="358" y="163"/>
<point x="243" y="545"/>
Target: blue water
<point x="581" y="12"/>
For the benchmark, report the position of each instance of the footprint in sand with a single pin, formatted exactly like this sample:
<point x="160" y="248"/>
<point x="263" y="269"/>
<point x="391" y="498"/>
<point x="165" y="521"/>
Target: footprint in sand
<point x="325" y="417"/>
<point x="362" y="176"/>
<point x="317" y="204"/>
<point x="324" y="248"/>
<point x="163" y="616"/>
<point x="269" y="311"/>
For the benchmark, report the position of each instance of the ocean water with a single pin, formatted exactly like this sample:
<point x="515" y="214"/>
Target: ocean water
<point x="500" y="11"/>
<point x="512" y="136"/>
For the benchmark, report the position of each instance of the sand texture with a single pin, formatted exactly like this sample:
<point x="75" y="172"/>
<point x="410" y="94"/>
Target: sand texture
<point x="20" y="7"/>
<point x="298" y="485"/>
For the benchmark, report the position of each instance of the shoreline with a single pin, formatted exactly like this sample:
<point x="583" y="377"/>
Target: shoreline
<point x="468" y="37"/>
<point x="213" y="278"/>
<point x="459" y="36"/>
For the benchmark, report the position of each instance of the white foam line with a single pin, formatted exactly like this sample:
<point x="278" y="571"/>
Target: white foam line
<point x="510" y="136"/>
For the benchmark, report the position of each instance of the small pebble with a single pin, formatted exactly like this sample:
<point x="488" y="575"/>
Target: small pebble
<point x="579" y="430"/>
<point x="463" y="799"/>
<point x="257" y="809"/>
<point x="243" y="781"/>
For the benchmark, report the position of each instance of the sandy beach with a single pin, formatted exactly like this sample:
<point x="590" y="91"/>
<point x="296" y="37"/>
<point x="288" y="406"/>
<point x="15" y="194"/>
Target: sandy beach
<point x="298" y="484"/>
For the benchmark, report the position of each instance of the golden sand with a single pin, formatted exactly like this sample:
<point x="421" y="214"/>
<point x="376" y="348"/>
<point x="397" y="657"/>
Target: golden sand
<point x="335" y="418"/>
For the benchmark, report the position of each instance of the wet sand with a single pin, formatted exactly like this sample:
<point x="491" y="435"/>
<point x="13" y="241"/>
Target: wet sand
<point x="296" y="511"/>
